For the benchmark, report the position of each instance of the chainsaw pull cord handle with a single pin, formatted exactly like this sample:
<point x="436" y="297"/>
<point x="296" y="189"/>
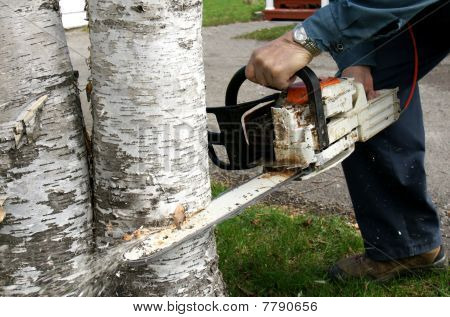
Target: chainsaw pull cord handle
<point x="314" y="92"/>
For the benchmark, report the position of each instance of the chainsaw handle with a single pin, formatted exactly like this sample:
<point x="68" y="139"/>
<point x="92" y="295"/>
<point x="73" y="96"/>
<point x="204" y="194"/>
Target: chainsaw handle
<point x="313" y="90"/>
<point x="235" y="84"/>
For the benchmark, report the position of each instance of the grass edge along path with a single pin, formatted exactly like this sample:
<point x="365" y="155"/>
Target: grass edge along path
<point x="267" y="34"/>
<point x="219" y="12"/>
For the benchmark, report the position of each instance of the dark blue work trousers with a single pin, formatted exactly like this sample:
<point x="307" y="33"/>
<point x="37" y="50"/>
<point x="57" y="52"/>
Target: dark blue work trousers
<point x="386" y="175"/>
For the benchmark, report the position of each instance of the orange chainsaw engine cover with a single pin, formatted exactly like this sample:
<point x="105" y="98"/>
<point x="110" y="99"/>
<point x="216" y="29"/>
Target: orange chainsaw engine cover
<point x="297" y="94"/>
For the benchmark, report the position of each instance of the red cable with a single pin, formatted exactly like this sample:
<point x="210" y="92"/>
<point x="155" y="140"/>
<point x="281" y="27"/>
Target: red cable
<point x="416" y="67"/>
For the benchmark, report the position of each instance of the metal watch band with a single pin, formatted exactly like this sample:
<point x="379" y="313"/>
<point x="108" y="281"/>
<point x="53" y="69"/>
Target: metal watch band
<point x="300" y="37"/>
<point x="312" y="47"/>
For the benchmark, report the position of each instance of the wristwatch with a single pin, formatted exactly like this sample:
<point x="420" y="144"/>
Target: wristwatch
<point x="299" y="36"/>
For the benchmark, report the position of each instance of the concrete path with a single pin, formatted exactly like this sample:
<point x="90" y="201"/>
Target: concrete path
<point x="224" y="55"/>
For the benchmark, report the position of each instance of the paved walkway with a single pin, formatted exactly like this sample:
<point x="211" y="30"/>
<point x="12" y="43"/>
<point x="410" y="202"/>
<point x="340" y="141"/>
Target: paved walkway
<point x="224" y="55"/>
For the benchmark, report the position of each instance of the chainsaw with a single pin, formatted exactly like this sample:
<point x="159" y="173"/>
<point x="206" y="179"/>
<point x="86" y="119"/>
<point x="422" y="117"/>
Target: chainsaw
<point x="294" y="135"/>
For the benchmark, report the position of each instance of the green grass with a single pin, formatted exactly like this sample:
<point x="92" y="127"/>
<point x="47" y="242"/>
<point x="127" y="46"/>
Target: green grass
<point x="217" y="189"/>
<point x="218" y="12"/>
<point x="270" y="251"/>
<point x="267" y="34"/>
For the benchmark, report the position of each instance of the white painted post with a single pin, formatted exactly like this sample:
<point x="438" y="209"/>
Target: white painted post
<point x="324" y="3"/>
<point x="269" y="5"/>
<point x="73" y="15"/>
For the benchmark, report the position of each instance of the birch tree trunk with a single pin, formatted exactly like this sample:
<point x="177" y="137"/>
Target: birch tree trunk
<point x="150" y="151"/>
<point x="44" y="184"/>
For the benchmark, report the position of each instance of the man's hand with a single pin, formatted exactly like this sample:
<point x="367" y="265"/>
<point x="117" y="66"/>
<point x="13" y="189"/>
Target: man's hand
<point x="363" y="75"/>
<point x="275" y="64"/>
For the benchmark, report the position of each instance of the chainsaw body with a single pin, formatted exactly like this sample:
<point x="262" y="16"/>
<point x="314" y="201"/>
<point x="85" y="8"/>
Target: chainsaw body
<point x="314" y="125"/>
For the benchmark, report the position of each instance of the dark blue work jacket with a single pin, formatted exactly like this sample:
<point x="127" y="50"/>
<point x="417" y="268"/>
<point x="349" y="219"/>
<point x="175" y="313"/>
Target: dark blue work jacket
<point x="347" y="28"/>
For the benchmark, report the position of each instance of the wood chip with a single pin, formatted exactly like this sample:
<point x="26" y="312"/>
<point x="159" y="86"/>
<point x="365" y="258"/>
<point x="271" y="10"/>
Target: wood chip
<point x="109" y="228"/>
<point x="127" y="237"/>
<point x="255" y="222"/>
<point x="137" y="233"/>
<point x="2" y="214"/>
<point x="2" y="210"/>
<point x="179" y="216"/>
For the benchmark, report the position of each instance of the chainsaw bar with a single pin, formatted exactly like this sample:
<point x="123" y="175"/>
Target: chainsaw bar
<point x="227" y="205"/>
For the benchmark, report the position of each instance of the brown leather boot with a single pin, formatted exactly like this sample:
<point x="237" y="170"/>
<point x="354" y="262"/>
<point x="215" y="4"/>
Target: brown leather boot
<point x="361" y="266"/>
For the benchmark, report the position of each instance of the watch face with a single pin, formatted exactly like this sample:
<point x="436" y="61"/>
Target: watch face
<point x="300" y="34"/>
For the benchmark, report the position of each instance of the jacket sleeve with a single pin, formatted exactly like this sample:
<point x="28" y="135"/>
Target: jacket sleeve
<point x="343" y="24"/>
<point x="360" y="54"/>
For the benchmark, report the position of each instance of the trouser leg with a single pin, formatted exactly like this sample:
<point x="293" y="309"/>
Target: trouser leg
<point x="387" y="182"/>
<point x="386" y="176"/>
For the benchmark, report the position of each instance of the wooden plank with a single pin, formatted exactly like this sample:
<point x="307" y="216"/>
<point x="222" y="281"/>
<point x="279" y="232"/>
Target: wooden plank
<point x="297" y="4"/>
<point x="288" y="14"/>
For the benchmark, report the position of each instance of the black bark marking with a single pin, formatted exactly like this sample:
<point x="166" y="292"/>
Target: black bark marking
<point x="48" y="256"/>
<point x="22" y="158"/>
<point x="120" y="8"/>
<point x="115" y="195"/>
<point x="50" y="5"/>
<point x="68" y="80"/>
<point x="186" y="44"/>
<point x="59" y="201"/>
<point x="135" y="27"/>
<point x="138" y="8"/>
<point x="183" y="5"/>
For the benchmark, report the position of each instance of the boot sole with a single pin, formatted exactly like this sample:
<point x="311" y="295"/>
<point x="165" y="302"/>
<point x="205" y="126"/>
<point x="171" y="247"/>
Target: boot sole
<point x="439" y="265"/>
<point x="442" y="264"/>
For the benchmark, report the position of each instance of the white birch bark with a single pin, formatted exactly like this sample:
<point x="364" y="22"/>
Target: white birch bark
<point x="45" y="236"/>
<point x="150" y="151"/>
